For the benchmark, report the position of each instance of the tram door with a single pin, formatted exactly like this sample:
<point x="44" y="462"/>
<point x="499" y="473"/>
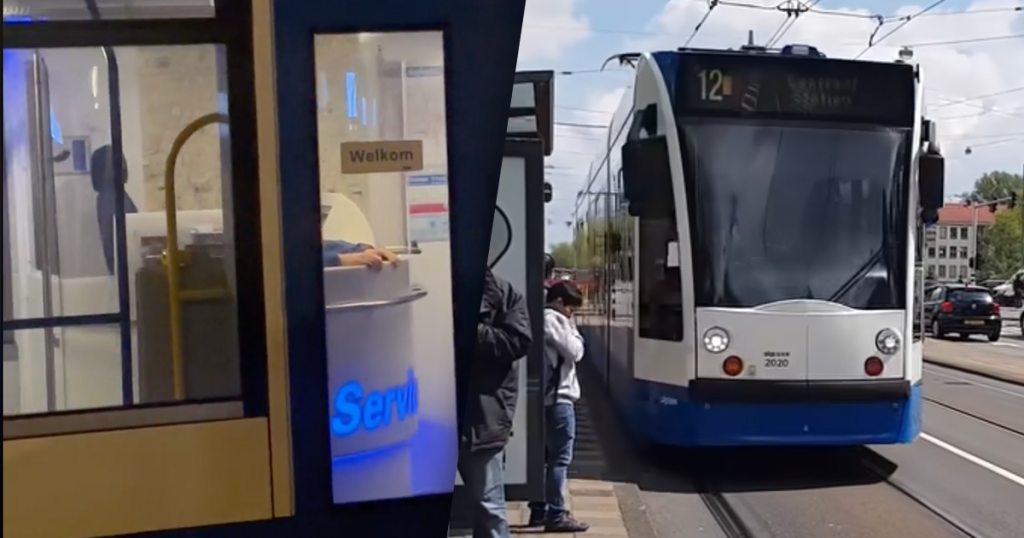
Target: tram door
<point x="400" y="159"/>
<point x="31" y="251"/>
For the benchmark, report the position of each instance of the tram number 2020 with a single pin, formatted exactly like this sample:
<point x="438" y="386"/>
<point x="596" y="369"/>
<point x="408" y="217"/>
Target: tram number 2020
<point x="776" y="362"/>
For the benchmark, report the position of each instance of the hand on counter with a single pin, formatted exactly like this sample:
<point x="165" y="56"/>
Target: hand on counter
<point x="373" y="258"/>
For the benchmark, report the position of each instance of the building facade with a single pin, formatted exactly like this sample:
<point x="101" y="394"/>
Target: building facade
<point x="951" y="244"/>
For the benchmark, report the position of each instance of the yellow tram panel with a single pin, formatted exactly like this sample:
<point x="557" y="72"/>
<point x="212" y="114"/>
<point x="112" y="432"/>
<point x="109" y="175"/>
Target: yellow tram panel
<point x="139" y="480"/>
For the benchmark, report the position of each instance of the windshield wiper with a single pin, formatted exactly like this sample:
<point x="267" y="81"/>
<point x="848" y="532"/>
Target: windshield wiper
<point x="871" y="262"/>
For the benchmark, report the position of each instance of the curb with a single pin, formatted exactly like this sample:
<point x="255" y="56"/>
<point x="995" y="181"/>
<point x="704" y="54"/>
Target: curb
<point x="975" y="371"/>
<point x="634" y="512"/>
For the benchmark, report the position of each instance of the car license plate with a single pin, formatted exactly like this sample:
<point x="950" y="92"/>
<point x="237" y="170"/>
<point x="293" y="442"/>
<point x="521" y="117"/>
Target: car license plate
<point x="974" y="322"/>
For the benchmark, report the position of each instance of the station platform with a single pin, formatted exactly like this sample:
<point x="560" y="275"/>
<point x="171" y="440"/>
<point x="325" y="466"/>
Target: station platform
<point x="592" y="501"/>
<point x="600" y="492"/>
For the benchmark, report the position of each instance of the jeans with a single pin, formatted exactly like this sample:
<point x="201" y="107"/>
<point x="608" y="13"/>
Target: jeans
<point x="483" y="476"/>
<point x="560" y="423"/>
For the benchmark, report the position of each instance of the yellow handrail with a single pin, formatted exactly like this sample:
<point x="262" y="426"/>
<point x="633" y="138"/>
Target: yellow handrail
<point x="172" y="256"/>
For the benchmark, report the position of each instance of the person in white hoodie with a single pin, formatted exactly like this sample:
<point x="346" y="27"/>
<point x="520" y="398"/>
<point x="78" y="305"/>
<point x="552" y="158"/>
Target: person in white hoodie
<point x="563" y="348"/>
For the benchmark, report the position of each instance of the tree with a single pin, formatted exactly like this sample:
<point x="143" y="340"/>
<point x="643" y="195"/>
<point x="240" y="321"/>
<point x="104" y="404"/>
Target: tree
<point x="1002" y="245"/>
<point x="589" y="243"/>
<point x="564" y="254"/>
<point x="995" y="185"/>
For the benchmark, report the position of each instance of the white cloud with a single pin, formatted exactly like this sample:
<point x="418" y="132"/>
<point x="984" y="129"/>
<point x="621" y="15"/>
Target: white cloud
<point x="550" y="28"/>
<point x="951" y="72"/>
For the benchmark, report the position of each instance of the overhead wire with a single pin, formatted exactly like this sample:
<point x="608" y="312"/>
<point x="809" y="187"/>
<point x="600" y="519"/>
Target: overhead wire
<point x="587" y="110"/>
<point x="591" y="71"/>
<point x="888" y="19"/>
<point x="995" y="142"/>
<point x="985" y="112"/>
<point x="872" y="42"/>
<point x="580" y="125"/>
<point x="802" y="8"/>
<point x="784" y="27"/>
<point x="982" y="11"/>
<point x="987" y="136"/>
<point x="964" y="41"/>
<point x="965" y="100"/>
<point x="990" y="110"/>
<point x="792" y="15"/>
<point x="712" y="4"/>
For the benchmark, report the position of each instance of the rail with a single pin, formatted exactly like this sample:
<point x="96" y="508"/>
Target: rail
<point x="174" y="259"/>
<point x="414" y="295"/>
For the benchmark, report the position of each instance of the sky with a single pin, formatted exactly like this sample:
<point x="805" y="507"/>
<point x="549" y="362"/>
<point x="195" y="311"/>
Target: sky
<point x="971" y="54"/>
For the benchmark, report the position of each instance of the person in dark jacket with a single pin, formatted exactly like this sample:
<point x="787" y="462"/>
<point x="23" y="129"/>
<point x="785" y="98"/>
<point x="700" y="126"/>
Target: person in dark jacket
<point x="503" y="338"/>
<point x="102" y="165"/>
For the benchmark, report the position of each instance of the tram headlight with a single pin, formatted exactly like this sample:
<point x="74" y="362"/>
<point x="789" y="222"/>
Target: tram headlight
<point x="888" y="341"/>
<point x="716" y="340"/>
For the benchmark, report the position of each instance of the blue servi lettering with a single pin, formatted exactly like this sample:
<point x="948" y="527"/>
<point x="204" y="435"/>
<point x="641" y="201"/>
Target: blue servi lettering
<point x="357" y="409"/>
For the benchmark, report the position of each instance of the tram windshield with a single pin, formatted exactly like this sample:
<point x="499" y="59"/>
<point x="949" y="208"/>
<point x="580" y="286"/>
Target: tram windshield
<point x="790" y="210"/>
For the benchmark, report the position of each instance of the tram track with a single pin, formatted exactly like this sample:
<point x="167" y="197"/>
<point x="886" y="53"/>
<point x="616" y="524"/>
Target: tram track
<point x="806" y="492"/>
<point x="975" y="416"/>
<point x="731" y="524"/>
<point x="809" y="492"/>
<point x="724" y="513"/>
<point x="883" y="468"/>
<point x="971" y="409"/>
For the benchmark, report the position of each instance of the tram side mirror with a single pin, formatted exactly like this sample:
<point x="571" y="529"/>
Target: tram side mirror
<point x="548" y="193"/>
<point x="646" y="176"/>
<point x="931" y="183"/>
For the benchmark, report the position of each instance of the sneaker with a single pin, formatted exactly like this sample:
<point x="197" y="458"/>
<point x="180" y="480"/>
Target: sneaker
<point x="538" y="515"/>
<point x="536" y="520"/>
<point x="566" y="524"/>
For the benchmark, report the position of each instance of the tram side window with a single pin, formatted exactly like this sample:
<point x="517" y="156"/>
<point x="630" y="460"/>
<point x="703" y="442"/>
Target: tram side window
<point x="91" y="325"/>
<point x="660" y="313"/>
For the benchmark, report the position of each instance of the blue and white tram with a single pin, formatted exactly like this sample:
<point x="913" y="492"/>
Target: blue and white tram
<point x="762" y="211"/>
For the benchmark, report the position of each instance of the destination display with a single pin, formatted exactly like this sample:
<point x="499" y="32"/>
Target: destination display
<point x="787" y="86"/>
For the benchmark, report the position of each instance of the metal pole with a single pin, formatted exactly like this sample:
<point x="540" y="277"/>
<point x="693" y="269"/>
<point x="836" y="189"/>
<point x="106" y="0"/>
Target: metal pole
<point x="47" y="206"/>
<point x="974" y="241"/>
<point x="575" y="232"/>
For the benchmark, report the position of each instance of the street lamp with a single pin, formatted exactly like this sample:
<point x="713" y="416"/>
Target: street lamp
<point x="1012" y="199"/>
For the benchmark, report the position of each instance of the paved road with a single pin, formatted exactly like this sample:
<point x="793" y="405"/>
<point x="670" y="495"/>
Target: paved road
<point x="969" y="463"/>
<point x="777" y="493"/>
<point x="1003" y="359"/>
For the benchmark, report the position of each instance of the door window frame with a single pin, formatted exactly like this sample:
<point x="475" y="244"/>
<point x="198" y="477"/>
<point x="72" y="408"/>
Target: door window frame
<point x="232" y="29"/>
<point x="8" y="300"/>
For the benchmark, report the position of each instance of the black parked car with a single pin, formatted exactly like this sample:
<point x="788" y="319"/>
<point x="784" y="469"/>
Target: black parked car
<point x="963" y="310"/>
